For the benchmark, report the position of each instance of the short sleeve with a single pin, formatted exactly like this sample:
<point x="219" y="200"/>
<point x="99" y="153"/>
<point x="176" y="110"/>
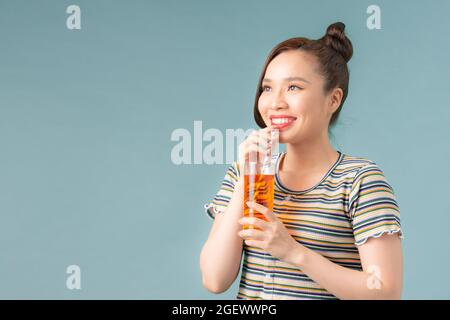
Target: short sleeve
<point x="373" y="206"/>
<point x="223" y="196"/>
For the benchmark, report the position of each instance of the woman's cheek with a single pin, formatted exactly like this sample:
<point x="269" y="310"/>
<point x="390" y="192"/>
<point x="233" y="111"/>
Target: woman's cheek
<point x="262" y="107"/>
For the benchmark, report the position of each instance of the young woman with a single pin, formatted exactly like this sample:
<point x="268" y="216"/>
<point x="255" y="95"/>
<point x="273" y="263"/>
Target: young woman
<point x="335" y="231"/>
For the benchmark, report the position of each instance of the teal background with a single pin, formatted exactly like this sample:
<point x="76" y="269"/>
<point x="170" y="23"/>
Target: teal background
<point x="86" y="118"/>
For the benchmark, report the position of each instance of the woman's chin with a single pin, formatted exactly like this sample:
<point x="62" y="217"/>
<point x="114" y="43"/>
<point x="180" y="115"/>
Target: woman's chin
<point x="284" y="138"/>
<point x="287" y="132"/>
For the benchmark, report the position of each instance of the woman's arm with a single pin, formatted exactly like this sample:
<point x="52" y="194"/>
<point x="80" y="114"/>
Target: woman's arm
<point x="381" y="278"/>
<point x="220" y="258"/>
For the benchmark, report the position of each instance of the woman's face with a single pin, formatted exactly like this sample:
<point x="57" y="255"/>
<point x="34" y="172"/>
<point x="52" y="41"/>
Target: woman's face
<point x="293" y="99"/>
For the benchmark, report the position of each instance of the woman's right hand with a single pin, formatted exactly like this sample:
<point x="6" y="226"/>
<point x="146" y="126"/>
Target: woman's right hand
<point x="255" y="146"/>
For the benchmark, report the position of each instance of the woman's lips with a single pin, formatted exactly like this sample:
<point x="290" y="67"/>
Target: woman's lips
<point x="284" y="123"/>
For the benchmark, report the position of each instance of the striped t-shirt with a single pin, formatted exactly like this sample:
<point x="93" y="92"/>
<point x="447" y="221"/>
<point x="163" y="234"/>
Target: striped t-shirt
<point x="352" y="202"/>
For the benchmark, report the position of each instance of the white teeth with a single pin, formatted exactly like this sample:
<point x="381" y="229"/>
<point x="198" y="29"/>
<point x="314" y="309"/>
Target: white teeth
<point x="281" y="120"/>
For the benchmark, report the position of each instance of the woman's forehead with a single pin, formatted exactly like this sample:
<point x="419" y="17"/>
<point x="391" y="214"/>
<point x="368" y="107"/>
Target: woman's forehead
<point x="289" y="64"/>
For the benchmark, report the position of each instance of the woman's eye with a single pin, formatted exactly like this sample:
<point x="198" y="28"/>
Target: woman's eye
<point x="293" y="86"/>
<point x="266" y="88"/>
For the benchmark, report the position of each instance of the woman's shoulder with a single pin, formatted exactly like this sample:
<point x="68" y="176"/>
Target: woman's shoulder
<point x="356" y="165"/>
<point x="356" y="161"/>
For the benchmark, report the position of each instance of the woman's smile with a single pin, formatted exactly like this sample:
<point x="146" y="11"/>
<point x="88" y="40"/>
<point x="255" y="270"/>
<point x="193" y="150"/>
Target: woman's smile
<point x="281" y="122"/>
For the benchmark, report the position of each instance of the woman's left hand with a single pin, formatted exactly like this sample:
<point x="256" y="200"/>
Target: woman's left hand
<point x="273" y="237"/>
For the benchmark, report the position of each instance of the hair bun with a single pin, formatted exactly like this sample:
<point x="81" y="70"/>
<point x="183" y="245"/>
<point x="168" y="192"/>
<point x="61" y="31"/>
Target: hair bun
<point x="338" y="41"/>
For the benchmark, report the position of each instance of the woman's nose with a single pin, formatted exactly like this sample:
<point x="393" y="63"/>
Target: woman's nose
<point x="278" y="102"/>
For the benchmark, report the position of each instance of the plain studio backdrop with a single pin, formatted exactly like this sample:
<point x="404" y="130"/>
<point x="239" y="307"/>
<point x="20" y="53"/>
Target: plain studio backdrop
<point x="86" y="118"/>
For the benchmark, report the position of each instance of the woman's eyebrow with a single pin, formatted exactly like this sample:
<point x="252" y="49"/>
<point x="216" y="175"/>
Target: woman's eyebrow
<point x="288" y="79"/>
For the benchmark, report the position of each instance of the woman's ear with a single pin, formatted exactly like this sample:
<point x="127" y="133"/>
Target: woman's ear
<point x="335" y="99"/>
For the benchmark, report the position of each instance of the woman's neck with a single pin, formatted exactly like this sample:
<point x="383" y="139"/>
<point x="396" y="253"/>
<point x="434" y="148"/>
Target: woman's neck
<point x="309" y="157"/>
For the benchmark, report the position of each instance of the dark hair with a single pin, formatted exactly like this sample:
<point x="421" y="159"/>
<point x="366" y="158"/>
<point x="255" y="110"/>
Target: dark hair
<point x="332" y="52"/>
